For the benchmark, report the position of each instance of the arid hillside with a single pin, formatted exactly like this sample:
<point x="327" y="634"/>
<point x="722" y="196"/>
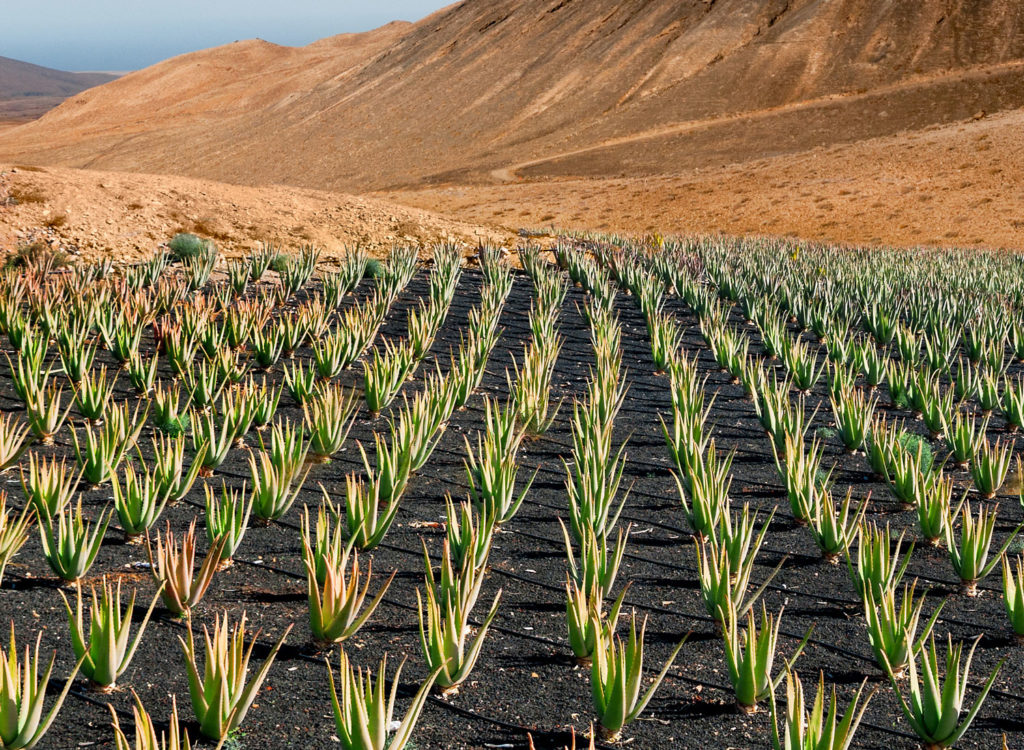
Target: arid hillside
<point x="489" y="90"/>
<point x="27" y="91"/>
<point x="127" y="216"/>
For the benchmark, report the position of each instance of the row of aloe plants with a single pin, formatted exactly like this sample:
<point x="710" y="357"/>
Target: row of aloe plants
<point x="811" y="502"/>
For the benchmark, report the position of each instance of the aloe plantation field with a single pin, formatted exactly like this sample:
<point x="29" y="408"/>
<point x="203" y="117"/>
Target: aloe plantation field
<point x="701" y="493"/>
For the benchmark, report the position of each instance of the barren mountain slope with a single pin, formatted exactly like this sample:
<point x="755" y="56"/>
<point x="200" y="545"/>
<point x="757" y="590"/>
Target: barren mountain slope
<point x="486" y="87"/>
<point x="126" y="216"/>
<point x="27" y="90"/>
<point x="954" y="185"/>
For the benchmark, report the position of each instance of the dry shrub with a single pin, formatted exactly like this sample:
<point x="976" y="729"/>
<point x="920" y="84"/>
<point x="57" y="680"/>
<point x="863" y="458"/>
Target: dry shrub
<point x="26" y="194"/>
<point x="36" y="256"/>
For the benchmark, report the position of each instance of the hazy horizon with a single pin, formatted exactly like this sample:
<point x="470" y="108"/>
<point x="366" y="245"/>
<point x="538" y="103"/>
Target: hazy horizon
<point x="80" y="37"/>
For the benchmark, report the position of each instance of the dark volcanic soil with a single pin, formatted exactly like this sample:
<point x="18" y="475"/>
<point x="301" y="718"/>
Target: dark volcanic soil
<point x="526" y="679"/>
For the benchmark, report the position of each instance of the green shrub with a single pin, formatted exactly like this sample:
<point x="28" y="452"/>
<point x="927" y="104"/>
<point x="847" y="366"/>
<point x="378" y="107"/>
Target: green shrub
<point x="184" y="246"/>
<point x="280" y="262"/>
<point x="910" y="441"/>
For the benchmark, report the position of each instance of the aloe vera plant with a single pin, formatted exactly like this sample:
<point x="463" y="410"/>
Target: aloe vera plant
<point x="366" y="521"/>
<point x="892" y="629"/>
<point x="936" y="705"/>
<point x="22" y="693"/>
<point x="444" y="612"/>
<point x="853" y="414"/>
<point x="965" y="437"/>
<point x="169" y="466"/>
<point x="704" y="490"/>
<point x="593" y="480"/>
<point x="364" y="714"/>
<point x="211" y="442"/>
<point x="13" y="532"/>
<point x="817" y="729"/>
<point x="1013" y="595"/>
<point x="227" y="519"/>
<point x="596" y="565"/>
<point x="834" y="529"/>
<point x="104" y="646"/>
<point x="13" y="443"/>
<point x="585" y="615"/>
<point x="750" y="656"/>
<point x="531" y="387"/>
<point x="723" y="583"/>
<point x="878" y="561"/>
<point x="801" y="472"/>
<point x="970" y="558"/>
<point x="48" y="485"/>
<point x="69" y="547"/>
<point x="167" y="410"/>
<point x="934" y="508"/>
<point x="300" y="381"/>
<point x="146" y="737"/>
<point x="338" y="606"/>
<point x="44" y="413"/>
<point x="278" y="476"/>
<point x="101" y="451"/>
<point x="139" y="502"/>
<point x="492" y="467"/>
<point x="909" y="471"/>
<point x="328" y="419"/>
<point x="92" y="397"/>
<point x="173" y="568"/>
<point x="803" y="364"/>
<point x="616" y="676"/>
<point x="222" y="695"/>
<point x="384" y="374"/>
<point x="469" y="533"/>
<point x="990" y="467"/>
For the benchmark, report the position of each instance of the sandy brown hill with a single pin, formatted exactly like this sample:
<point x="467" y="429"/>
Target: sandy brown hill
<point x="27" y="90"/>
<point x="505" y="88"/>
<point x="126" y="216"/>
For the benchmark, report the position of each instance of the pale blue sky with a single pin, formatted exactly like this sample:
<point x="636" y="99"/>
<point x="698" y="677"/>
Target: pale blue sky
<point x="131" y="34"/>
